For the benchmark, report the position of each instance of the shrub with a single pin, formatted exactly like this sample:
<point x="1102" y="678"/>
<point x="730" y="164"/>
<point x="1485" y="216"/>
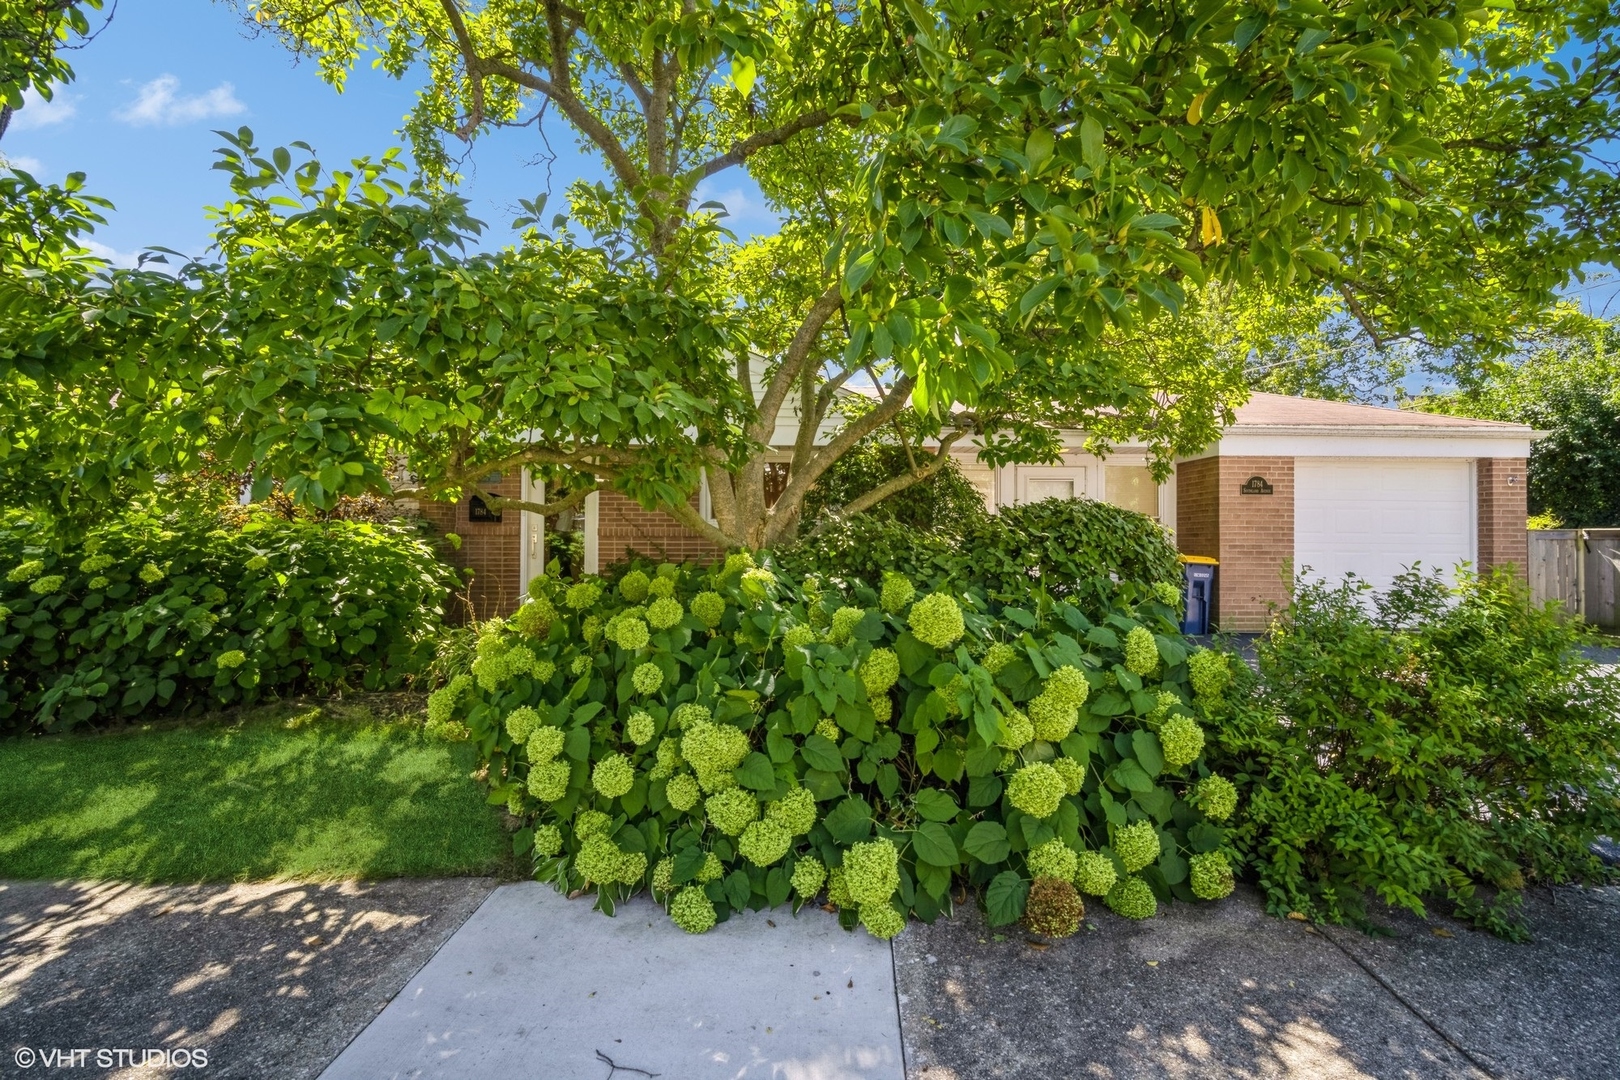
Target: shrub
<point x="152" y="613"/>
<point x="792" y="746"/>
<point x="943" y="500"/>
<point x="1071" y="549"/>
<point x="1428" y="742"/>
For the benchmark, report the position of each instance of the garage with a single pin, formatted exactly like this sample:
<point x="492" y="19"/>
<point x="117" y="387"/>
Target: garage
<point x="1375" y="517"/>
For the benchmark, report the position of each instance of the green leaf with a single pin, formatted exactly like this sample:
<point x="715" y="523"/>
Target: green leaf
<point x="1129" y="775"/>
<point x="755" y="773"/>
<point x="987" y="841"/>
<point x="1091" y="142"/>
<point x="850" y="821"/>
<point x="577" y="743"/>
<point x="1005" y="898"/>
<point x="935" y="880"/>
<point x="1145" y="744"/>
<point x="738" y="889"/>
<point x="936" y="805"/>
<point x="820" y="752"/>
<point x="932" y="843"/>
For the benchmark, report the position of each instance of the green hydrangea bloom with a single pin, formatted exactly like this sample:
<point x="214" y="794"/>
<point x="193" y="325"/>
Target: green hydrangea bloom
<point x="47" y="585"/>
<point x="1133" y="899"/>
<point x="520" y="724"/>
<point x="26" y="571"/>
<point x="1182" y="740"/>
<point x="613" y="776"/>
<point x="640" y="728"/>
<point x="582" y="595"/>
<point x="1167" y="594"/>
<point x="628" y="634"/>
<point x="1073" y="773"/>
<point x="692" y="911"/>
<point x="97" y="582"/>
<point x="882" y="708"/>
<point x="1216" y="796"/>
<point x="882" y="921"/>
<point x="1053" y="717"/>
<point x="1141" y="651"/>
<point x="880" y="671"/>
<point x="548" y="840"/>
<point x="581" y="664"/>
<point x="1094" y="873"/>
<point x="1211" y="876"/>
<point x="514" y="803"/>
<point x="632" y="868"/>
<point x="664" y="612"/>
<point x="1009" y="761"/>
<point x="713" y="751"/>
<point x="663" y="876"/>
<point x="598" y="860"/>
<point x="1163" y="703"/>
<point x="647" y="678"/>
<point x="683" y="792"/>
<point x="732" y="810"/>
<point x="664" y="584"/>
<point x="710" y="608"/>
<point x="1068" y="684"/>
<point x="151" y="573"/>
<point x="1136" y="845"/>
<point x="828" y="728"/>
<point x="764" y="842"/>
<point x="549" y="782"/>
<point x="999" y="656"/>
<point x="689" y="713"/>
<point x="757" y="583"/>
<point x="95" y="564"/>
<point x="591" y="629"/>
<point x="807" y="877"/>
<point x="544" y="743"/>
<point x="936" y="620"/>
<point x="898" y="592"/>
<point x="1211" y="673"/>
<point x="633" y="586"/>
<point x="666" y="760"/>
<point x="736" y="563"/>
<point x="441" y="704"/>
<point x="1017" y="729"/>
<point x="711" y="870"/>
<point x="1036" y="789"/>
<point x="592" y="823"/>
<point x="837" y="888"/>
<point x="535" y="617"/>
<point x="1053" y="859"/>
<point x="795" y="811"/>
<point x="844" y="622"/>
<point x="797" y="637"/>
<point x="872" y="871"/>
<point x="233" y="658"/>
<point x="257" y="563"/>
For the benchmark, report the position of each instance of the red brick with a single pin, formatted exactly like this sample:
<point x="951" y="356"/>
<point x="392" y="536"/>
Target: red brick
<point x="1503" y="505"/>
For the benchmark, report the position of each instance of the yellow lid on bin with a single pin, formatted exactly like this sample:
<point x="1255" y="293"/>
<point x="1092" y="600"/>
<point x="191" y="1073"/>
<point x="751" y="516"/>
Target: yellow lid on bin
<point x="1200" y="560"/>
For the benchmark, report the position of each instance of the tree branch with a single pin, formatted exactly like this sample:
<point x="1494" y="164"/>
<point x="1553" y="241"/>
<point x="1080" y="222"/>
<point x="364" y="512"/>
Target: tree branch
<point x="915" y="475"/>
<point x="497" y="503"/>
<point x="687" y="515"/>
<point x="798" y="351"/>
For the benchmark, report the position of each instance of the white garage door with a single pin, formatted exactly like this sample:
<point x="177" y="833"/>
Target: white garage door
<point x="1374" y="517"/>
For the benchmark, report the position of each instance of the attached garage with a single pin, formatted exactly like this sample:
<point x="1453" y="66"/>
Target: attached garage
<point x="1375" y="517"/>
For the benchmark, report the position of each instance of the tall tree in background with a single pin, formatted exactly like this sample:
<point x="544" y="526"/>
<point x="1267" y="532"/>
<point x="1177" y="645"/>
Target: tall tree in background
<point x="985" y="210"/>
<point x="33" y="34"/>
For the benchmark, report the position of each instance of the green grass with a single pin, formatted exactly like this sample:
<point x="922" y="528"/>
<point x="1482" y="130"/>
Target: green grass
<point x="311" y="795"/>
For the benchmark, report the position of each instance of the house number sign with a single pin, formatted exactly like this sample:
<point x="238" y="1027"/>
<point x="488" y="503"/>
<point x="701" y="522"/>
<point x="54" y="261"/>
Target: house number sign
<point x="1255" y="485"/>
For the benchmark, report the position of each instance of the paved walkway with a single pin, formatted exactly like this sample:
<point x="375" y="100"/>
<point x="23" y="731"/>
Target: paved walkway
<point x="276" y="980"/>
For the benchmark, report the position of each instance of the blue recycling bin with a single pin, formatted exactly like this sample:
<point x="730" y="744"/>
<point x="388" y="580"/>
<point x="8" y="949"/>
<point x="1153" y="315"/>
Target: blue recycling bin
<point x="1198" y="591"/>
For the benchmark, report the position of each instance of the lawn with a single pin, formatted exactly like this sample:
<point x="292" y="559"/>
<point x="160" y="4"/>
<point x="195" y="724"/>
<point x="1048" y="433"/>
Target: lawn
<point x="306" y="793"/>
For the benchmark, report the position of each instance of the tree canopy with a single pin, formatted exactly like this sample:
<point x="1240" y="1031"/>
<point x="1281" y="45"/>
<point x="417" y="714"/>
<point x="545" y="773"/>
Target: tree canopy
<point x="989" y="215"/>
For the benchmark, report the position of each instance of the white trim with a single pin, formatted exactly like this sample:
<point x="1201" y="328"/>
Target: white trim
<point x="592" y="516"/>
<point x="706" y="500"/>
<point x="1370" y="442"/>
<point x="531" y="534"/>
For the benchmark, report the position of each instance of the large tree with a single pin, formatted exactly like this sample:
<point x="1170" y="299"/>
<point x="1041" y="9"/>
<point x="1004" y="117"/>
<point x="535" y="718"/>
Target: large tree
<point x="986" y="211"/>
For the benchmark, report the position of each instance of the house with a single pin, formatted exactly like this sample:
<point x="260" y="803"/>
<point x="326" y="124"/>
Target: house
<point x="1292" y="485"/>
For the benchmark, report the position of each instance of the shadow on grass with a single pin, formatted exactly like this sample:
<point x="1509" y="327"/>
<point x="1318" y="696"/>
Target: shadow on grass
<point x="308" y="797"/>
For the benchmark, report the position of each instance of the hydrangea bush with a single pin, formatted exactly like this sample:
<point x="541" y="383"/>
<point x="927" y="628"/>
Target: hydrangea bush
<point x="731" y="740"/>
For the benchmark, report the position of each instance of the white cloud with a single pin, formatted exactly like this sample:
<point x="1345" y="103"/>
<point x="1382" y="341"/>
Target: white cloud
<point x="31" y="165"/>
<point x="36" y="112"/>
<point x="737" y="202"/>
<point x="159" y="102"/>
<point x="112" y="255"/>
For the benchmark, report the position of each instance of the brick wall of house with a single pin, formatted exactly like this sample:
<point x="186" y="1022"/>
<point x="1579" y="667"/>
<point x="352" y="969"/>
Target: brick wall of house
<point x="624" y="528"/>
<point x="1256" y="542"/>
<point x="1503" y="499"/>
<point x="492" y="549"/>
<point x="1198" y="520"/>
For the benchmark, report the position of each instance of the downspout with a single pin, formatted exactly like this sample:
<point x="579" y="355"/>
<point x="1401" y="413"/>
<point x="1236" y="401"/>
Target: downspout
<point x="1580" y="574"/>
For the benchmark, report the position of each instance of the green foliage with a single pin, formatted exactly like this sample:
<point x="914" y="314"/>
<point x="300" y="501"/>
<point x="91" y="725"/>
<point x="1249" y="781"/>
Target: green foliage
<point x="772" y="762"/>
<point x="1070" y="548"/>
<point x="149" y="613"/>
<point x="1430" y="742"/>
<point x="943" y="500"/>
<point x="32" y="35"/>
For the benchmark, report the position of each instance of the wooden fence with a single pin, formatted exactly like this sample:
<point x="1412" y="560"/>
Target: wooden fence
<point x="1579" y="568"/>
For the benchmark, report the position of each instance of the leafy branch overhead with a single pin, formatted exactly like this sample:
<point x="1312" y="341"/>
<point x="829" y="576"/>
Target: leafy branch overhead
<point x="990" y="218"/>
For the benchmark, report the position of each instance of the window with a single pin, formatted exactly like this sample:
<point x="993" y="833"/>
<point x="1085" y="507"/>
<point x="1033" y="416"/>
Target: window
<point x="1132" y="487"/>
<point x="776" y="481"/>
<point x="1048" y="488"/>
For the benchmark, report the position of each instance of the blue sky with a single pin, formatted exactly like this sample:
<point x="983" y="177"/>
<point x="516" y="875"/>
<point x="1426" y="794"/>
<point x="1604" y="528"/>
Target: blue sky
<point x="154" y="85"/>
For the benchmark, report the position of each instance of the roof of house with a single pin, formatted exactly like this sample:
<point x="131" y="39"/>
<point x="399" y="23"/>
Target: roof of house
<point x="1283" y="411"/>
